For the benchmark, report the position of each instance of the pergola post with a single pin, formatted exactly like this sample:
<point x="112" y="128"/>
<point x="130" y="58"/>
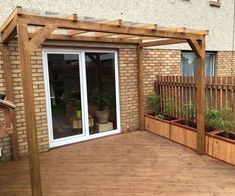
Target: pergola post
<point x="29" y="105"/>
<point x="10" y="96"/>
<point x="198" y="47"/>
<point x="201" y="99"/>
<point x="140" y="73"/>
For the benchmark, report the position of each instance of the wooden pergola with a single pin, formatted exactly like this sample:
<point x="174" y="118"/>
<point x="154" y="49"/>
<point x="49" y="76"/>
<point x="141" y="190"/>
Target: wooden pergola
<point x="31" y="30"/>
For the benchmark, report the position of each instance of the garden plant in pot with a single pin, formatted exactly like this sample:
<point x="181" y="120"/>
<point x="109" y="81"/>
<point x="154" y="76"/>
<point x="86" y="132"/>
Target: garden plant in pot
<point x="157" y="122"/>
<point x="221" y="120"/>
<point x="103" y="100"/>
<point x="153" y="103"/>
<point x="188" y="114"/>
<point x="169" y="109"/>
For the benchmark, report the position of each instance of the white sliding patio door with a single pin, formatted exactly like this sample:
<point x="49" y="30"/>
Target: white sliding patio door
<point x="81" y="94"/>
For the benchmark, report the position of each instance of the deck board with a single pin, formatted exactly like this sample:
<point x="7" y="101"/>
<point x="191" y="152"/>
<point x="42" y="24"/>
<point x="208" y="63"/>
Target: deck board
<point x="137" y="163"/>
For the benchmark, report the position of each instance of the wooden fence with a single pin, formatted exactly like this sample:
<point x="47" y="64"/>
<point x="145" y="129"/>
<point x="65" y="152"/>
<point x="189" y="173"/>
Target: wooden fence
<point x="220" y="91"/>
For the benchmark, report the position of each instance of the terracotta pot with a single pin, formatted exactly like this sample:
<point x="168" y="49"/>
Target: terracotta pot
<point x="102" y="116"/>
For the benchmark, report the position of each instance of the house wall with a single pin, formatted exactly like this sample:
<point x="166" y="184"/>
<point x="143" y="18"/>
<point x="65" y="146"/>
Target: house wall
<point x="156" y="62"/>
<point x="195" y="14"/>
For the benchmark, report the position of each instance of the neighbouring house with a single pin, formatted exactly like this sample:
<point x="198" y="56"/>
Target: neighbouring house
<point x="68" y="77"/>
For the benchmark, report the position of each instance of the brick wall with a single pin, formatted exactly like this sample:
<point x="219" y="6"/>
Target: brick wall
<point x="128" y="89"/>
<point x="156" y="62"/>
<point x="39" y="94"/>
<point x="224" y="65"/>
<point x="159" y="62"/>
<point x="4" y="141"/>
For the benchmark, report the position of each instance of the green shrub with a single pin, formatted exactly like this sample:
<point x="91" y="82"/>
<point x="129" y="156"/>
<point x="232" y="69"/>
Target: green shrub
<point x="220" y="119"/>
<point x="187" y="112"/>
<point x="169" y="106"/>
<point x="153" y="103"/>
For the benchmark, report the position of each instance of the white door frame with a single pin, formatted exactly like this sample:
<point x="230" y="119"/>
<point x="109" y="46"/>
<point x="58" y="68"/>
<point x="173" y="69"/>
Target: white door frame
<point x="84" y="100"/>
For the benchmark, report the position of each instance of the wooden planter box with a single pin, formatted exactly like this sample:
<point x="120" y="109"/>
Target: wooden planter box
<point x="216" y="146"/>
<point x="221" y="148"/>
<point x="183" y="134"/>
<point x="157" y="126"/>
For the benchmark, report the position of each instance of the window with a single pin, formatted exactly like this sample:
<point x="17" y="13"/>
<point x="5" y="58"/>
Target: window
<point x="189" y="62"/>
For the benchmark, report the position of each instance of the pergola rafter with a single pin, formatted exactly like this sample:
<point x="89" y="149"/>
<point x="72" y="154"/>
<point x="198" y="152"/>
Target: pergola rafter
<point x="105" y="31"/>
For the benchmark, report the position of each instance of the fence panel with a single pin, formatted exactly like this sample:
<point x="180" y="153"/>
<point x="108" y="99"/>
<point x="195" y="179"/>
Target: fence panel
<point x="220" y="92"/>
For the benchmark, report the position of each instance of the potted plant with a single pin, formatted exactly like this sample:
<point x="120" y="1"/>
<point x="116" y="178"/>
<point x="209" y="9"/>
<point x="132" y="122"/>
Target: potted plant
<point x="103" y="100"/>
<point x="184" y="131"/>
<point x="222" y="140"/>
<point x="155" y="121"/>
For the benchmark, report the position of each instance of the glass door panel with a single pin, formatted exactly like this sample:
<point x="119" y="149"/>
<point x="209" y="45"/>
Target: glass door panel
<point x="101" y="91"/>
<point x="65" y="95"/>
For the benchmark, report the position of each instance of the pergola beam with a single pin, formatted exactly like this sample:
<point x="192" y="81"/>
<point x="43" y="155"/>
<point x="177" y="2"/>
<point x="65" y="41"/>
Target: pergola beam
<point x="195" y="47"/>
<point x="10" y="31"/>
<point x="18" y="10"/>
<point x="98" y="27"/>
<point x="163" y="42"/>
<point x="88" y="39"/>
<point x="41" y="36"/>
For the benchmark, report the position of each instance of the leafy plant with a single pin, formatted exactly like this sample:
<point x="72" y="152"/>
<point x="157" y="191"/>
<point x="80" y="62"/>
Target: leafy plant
<point x="187" y="112"/>
<point x="153" y="103"/>
<point x="160" y="116"/>
<point x="169" y="106"/>
<point x="220" y="119"/>
<point x="102" y="98"/>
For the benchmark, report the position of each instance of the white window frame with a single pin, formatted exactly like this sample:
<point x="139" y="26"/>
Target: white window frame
<point x="84" y="99"/>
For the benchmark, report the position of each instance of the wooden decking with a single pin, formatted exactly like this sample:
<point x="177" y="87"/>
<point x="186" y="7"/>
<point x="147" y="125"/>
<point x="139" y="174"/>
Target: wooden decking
<point x="138" y="163"/>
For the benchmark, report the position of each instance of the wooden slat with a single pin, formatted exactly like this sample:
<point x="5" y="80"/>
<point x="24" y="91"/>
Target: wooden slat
<point x="136" y="164"/>
<point x="10" y="97"/>
<point x="117" y="22"/>
<point x="163" y="42"/>
<point x="73" y="17"/>
<point x="112" y="22"/>
<point x="140" y="73"/>
<point x="89" y="39"/>
<point x="92" y="26"/>
<point x="41" y="36"/>
<point x="9" y="32"/>
<point x="75" y="32"/>
<point x="29" y="106"/>
<point x="13" y="15"/>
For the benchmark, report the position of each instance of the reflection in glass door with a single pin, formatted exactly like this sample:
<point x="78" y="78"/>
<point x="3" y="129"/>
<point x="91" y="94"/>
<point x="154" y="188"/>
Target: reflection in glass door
<point x="65" y="95"/>
<point x="82" y="95"/>
<point x="101" y="91"/>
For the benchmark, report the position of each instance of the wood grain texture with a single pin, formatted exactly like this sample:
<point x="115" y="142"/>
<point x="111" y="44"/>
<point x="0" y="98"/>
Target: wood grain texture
<point x="222" y="150"/>
<point x="157" y="126"/>
<point x="200" y="79"/>
<point x="184" y="136"/>
<point x="138" y="163"/>
<point x="29" y="105"/>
